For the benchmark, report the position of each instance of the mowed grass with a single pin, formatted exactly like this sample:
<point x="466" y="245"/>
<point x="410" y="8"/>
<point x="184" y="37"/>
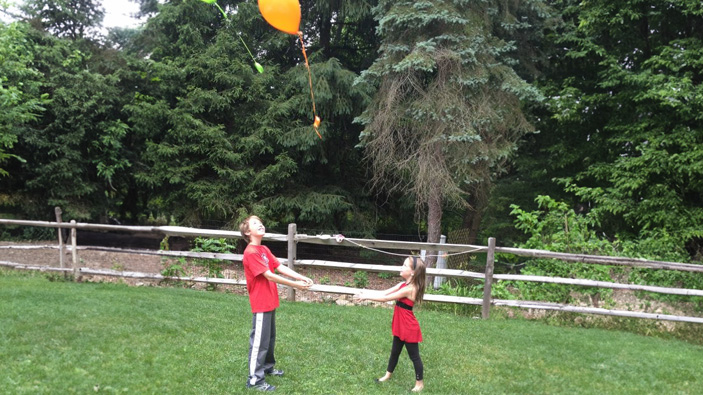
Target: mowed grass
<point x="65" y="337"/>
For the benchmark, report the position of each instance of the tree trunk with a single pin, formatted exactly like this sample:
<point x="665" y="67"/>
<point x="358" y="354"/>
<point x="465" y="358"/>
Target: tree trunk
<point x="474" y="214"/>
<point x="325" y="35"/>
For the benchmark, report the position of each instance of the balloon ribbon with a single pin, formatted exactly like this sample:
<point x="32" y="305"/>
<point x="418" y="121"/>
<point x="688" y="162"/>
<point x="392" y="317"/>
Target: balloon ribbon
<point x="258" y="67"/>
<point x="316" y="124"/>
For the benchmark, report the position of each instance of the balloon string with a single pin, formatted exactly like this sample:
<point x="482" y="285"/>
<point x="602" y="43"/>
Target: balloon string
<point x="256" y="64"/>
<point x="316" y="124"/>
<point x="247" y="48"/>
<point x="222" y="11"/>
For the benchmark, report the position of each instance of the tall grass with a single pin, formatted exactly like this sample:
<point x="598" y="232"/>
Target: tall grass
<point x="65" y="337"/>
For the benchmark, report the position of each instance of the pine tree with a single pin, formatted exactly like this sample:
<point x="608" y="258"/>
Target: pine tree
<point x="447" y="113"/>
<point x="626" y="133"/>
<point x="72" y="19"/>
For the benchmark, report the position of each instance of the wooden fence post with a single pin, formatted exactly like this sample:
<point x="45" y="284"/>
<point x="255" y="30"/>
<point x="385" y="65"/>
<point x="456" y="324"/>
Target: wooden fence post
<point x="441" y="264"/>
<point x="490" y="260"/>
<point x="57" y="210"/>
<point x="74" y="253"/>
<point x="292" y="230"/>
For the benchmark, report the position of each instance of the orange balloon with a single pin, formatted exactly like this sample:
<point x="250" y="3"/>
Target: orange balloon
<point x="284" y="15"/>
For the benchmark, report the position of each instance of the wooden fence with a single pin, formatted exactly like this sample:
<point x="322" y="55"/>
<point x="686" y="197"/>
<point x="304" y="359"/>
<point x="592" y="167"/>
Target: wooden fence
<point x="293" y="238"/>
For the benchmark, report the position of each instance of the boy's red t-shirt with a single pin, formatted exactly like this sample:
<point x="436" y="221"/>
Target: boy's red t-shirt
<point x="263" y="294"/>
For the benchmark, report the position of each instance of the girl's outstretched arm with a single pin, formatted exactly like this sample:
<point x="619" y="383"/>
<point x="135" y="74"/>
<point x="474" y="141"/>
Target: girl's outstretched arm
<point x="392" y="289"/>
<point x="383" y="296"/>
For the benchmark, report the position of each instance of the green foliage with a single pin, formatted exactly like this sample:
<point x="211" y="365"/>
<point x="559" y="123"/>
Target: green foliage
<point x="174" y="269"/>
<point x="21" y="101"/>
<point x="34" y="233"/>
<point x="660" y="245"/>
<point x="628" y="130"/>
<point x="556" y="227"/>
<point x="75" y="152"/>
<point x="447" y="112"/>
<point x="214" y="266"/>
<point x="621" y="133"/>
<point x="361" y="279"/>
<point x="327" y="188"/>
<point x="386" y="275"/>
<point x="73" y="19"/>
<point x="59" y="277"/>
<point x="176" y="124"/>
<point x="221" y="139"/>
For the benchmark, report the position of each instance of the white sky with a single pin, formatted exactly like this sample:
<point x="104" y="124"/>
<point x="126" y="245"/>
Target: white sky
<point x="118" y="13"/>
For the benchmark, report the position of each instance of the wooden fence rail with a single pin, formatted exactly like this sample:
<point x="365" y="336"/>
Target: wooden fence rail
<point x="293" y="238"/>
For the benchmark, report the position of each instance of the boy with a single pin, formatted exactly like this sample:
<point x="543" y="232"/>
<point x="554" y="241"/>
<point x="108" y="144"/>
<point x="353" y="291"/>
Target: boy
<point x="259" y="267"/>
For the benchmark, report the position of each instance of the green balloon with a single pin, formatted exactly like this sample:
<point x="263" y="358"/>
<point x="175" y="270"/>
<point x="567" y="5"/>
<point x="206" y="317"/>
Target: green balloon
<point x="208" y="1"/>
<point x="259" y="67"/>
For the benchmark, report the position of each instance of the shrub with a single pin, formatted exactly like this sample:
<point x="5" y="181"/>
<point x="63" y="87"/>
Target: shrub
<point x="214" y="266"/>
<point x="361" y="279"/>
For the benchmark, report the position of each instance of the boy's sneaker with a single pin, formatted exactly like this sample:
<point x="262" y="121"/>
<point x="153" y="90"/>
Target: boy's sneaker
<point x="262" y="386"/>
<point x="275" y="372"/>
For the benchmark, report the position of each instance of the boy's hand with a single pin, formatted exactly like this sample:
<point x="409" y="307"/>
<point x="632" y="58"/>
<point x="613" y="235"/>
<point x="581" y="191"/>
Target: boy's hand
<point x="303" y="285"/>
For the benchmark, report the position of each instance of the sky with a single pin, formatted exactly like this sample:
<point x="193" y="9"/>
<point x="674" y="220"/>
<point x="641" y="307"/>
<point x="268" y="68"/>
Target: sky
<point x="117" y="13"/>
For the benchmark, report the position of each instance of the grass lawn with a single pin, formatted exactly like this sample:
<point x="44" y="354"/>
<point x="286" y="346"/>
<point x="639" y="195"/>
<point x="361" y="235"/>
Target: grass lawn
<point x="64" y="337"/>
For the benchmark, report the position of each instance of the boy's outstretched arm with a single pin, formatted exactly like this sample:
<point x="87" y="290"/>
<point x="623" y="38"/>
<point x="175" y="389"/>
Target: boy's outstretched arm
<point x="301" y="284"/>
<point x="288" y="272"/>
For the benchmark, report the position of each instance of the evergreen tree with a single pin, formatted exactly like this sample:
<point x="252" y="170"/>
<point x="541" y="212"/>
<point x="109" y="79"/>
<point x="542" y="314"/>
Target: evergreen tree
<point x="624" y="132"/>
<point x="75" y="149"/>
<point x="198" y="100"/>
<point x="21" y="101"/>
<point x="75" y="153"/>
<point x="327" y="191"/>
<point x="447" y="113"/>
<point x="72" y="19"/>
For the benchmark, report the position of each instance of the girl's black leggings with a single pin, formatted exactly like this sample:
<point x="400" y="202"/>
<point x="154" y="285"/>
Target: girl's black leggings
<point x="413" y="352"/>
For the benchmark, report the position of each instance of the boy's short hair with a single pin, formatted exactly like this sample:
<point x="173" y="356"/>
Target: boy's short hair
<point x="244" y="227"/>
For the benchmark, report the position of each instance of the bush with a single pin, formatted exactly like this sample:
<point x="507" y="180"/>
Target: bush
<point x="214" y="267"/>
<point x="361" y="279"/>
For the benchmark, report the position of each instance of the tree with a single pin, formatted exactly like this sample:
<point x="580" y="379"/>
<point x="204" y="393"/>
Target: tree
<point x="626" y="132"/>
<point x="447" y="112"/>
<point x="223" y="140"/>
<point x="327" y="190"/>
<point x="72" y="19"/>
<point x="74" y="151"/>
<point x="21" y="100"/>
<point x="195" y="101"/>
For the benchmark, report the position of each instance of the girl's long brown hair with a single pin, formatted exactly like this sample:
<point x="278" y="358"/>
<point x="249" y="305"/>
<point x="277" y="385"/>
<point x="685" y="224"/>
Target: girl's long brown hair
<point x="419" y="277"/>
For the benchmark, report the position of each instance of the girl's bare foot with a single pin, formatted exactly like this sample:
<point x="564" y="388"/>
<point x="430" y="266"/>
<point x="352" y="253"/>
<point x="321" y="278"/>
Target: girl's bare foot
<point x="385" y="377"/>
<point x="419" y="385"/>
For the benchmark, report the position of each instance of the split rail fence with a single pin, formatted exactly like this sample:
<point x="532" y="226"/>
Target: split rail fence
<point x="293" y="238"/>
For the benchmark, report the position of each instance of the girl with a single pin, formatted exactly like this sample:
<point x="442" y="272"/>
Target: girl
<point x="405" y="328"/>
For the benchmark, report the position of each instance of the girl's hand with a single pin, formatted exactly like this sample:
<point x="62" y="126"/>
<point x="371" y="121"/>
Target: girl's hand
<point x="303" y="285"/>
<point x="307" y="281"/>
<point x="359" y="296"/>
